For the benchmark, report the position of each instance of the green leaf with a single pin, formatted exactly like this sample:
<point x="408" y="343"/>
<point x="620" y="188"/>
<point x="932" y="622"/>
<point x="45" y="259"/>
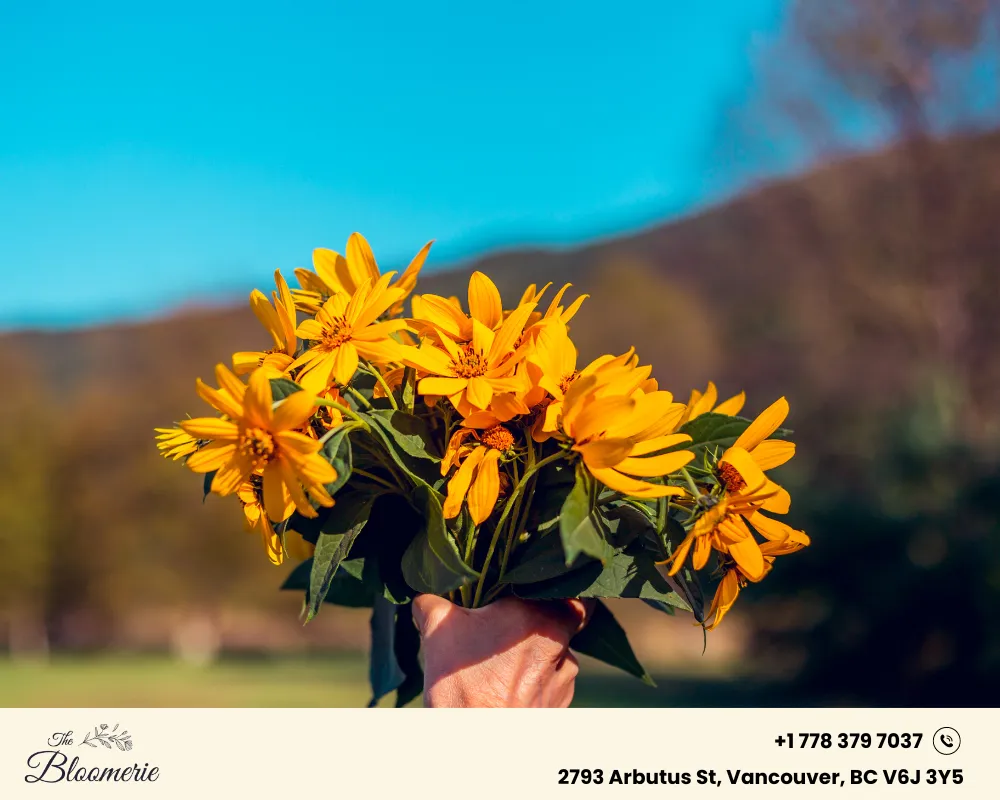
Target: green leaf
<point x="425" y="470"/>
<point x="346" y="588"/>
<point x="604" y="639"/>
<point x="580" y="523"/>
<point x="407" y="431"/>
<point x="337" y="451"/>
<point x="627" y="573"/>
<point x="407" y="650"/>
<point x="347" y="519"/>
<point x="409" y="389"/>
<point x="298" y="578"/>
<point x="711" y="431"/>
<point x="207" y="484"/>
<point x="432" y="563"/>
<point x="543" y="558"/>
<point x="282" y="387"/>
<point x="384" y="672"/>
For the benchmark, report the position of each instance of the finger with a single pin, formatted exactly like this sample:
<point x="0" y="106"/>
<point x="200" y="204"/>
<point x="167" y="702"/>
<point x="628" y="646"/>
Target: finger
<point x="429" y="611"/>
<point x="583" y="608"/>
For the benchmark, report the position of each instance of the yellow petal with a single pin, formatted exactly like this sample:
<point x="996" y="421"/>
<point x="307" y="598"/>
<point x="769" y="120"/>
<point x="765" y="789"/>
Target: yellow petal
<point x="600" y="415"/>
<point x="211" y="428"/>
<point x="773" y="453"/>
<point x="767" y="422"/>
<point x="485" y="488"/>
<point x="211" y="457"/>
<point x="479" y="392"/>
<point x="220" y="401"/>
<point x="331" y="267"/>
<point x="345" y="363"/>
<point x="630" y="486"/>
<point x="258" y="399"/>
<point x="604" y="453"/>
<point x="656" y="466"/>
<point x="230" y="475"/>
<point x="458" y="486"/>
<point x="278" y="504"/>
<point x="725" y="596"/>
<point x="705" y="403"/>
<point x="732" y="406"/>
<point x="442" y="386"/>
<point x="247" y="361"/>
<point x="747" y="555"/>
<point x="485" y="304"/>
<point x="659" y="443"/>
<point x="293" y="411"/>
<point x="744" y="464"/>
<point x="510" y="331"/>
<point x="361" y="260"/>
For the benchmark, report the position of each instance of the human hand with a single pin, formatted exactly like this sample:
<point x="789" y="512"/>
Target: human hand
<point x="509" y="654"/>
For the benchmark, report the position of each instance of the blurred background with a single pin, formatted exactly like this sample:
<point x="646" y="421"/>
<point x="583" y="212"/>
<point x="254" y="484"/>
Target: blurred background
<point x="788" y="197"/>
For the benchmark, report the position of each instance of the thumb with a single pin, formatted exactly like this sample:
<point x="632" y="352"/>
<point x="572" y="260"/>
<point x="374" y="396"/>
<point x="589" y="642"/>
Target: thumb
<point x="429" y="611"/>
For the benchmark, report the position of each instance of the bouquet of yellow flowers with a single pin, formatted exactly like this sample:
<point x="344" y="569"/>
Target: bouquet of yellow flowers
<point x="468" y="453"/>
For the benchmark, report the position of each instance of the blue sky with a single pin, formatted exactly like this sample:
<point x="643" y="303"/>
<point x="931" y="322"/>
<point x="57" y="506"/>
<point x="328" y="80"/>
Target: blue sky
<point x="153" y="155"/>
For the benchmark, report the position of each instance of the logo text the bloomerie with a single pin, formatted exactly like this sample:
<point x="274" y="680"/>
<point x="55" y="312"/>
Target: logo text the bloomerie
<point x="54" y="765"/>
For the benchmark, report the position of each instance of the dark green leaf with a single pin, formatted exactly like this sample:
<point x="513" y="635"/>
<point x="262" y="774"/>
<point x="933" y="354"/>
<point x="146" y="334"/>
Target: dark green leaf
<point x="346" y="588"/>
<point x="543" y="558"/>
<point x="407" y="431"/>
<point x="717" y="431"/>
<point x="298" y="578"/>
<point x="207" y="484"/>
<point x="625" y="574"/>
<point x="579" y="522"/>
<point x="605" y="640"/>
<point x="384" y="672"/>
<point x="337" y="450"/>
<point x="344" y="525"/>
<point x="409" y="389"/>
<point x="666" y="608"/>
<point x="407" y="649"/>
<point x="282" y="387"/>
<point x="432" y="563"/>
<point x="420" y="470"/>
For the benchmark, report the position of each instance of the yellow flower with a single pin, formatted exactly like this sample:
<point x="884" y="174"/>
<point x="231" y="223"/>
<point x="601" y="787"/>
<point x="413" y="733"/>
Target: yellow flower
<point x="555" y="311"/>
<point x="734" y="579"/>
<point x="256" y="439"/>
<point x="478" y="477"/>
<point x="335" y="274"/>
<point x="174" y="443"/>
<point x="471" y="371"/>
<point x="618" y="436"/>
<point x="702" y="403"/>
<point x="255" y="521"/>
<point x="279" y="320"/>
<point x="346" y="328"/>
<point x="748" y="492"/>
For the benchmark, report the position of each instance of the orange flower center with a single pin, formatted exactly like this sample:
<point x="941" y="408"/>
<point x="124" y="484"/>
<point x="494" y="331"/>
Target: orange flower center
<point x="470" y="363"/>
<point x="335" y="335"/>
<point x="731" y="478"/>
<point x="257" y="445"/>
<point x="498" y="437"/>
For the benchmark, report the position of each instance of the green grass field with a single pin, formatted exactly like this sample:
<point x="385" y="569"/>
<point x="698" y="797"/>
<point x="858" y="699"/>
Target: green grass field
<point x="328" y="681"/>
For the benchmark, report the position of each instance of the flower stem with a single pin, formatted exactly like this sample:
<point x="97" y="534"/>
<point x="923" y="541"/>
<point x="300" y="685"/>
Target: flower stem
<point x="347" y="412"/>
<point x="385" y="386"/>
<point x="362" y="400"/>
<point x="503" y="518"/>
<point x="375" y="478"/>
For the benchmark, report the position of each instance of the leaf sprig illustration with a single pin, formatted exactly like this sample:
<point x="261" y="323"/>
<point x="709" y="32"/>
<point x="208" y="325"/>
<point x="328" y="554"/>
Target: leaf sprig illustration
<point x="108" y="738"/>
